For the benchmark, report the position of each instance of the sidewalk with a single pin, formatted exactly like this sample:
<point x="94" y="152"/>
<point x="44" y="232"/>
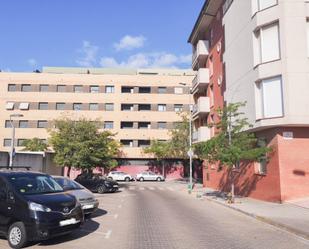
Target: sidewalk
<point x="287" y="216"/>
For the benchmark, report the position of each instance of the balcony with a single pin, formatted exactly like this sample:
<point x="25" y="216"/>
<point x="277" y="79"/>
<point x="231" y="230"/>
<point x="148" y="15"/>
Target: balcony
<point x="200" y="53"/>
<point x="201" y="80"/>
<point x="201" y="135"/>
<point x="202" y="107"/>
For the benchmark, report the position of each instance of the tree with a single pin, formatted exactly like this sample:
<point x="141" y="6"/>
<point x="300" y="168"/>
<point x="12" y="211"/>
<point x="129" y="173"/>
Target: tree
<point x="80" y="144"/>
<point x="34" y="144"/>
<point x="234" y="142"/>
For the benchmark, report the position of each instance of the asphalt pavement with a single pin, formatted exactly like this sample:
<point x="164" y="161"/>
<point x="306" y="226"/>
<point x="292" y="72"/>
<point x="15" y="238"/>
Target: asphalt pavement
<point x="162" y="215"/>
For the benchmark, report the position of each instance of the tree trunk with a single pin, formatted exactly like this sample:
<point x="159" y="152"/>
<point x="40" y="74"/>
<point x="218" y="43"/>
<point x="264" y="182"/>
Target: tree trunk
<point x="69" y="171"/>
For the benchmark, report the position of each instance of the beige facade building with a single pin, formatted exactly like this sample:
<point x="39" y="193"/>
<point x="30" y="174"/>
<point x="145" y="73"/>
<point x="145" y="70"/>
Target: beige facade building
<point x="137" y="105"/>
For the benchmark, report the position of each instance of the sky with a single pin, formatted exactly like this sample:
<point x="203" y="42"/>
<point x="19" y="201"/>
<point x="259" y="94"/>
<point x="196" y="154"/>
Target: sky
<point x="96" y="33"/>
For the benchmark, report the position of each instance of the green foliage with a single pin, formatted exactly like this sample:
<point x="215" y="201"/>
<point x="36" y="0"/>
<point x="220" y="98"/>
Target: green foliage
<point x="158" y="149"/>
<point x="234" y="142"/>
<point x="34" y="144"/>
<point x="79" y="144"/>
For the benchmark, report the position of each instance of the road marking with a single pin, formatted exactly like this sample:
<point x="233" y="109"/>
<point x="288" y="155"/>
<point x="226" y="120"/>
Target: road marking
<point x="161" y="188"/>
<point x="141" y="188"/>
<point x="120" y="206"/>
<point x="171" y="189"/>
<point x="151" y="188"/>
<point x="108" y="234"/>
<point x="115" y="216"/>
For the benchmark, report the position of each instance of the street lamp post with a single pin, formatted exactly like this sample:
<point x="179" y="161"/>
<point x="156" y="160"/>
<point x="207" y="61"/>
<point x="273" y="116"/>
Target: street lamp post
<point x="13" y="137"/>
<point x="190" y="151"/>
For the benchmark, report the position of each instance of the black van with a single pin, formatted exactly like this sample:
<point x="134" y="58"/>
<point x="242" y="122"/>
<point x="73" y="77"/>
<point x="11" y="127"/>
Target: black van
<point x="34" y="207"/>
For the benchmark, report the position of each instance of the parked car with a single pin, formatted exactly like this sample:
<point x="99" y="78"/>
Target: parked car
<point x="84" y="196"/>
<point x="34" y="207"/>
<point x="97" y="183"/>
<point x="119" y="176"/>
<point x="149" y="176"/>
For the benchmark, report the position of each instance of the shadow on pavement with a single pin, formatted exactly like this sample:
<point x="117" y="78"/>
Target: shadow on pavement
<point x="98" y="213"/>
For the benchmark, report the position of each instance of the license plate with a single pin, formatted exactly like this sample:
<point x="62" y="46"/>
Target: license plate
<point x="115" y="186"/>
<point x="88" y="206"/>
<point x="68" y="222"/>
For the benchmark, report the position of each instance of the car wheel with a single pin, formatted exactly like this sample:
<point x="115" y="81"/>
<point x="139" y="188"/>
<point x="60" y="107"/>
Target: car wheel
<point x="127" y="179"/>
<point x="141" y="179"/>
<point x="159" y="179"/>
<point x="101" y="189"/>
<point x="17" y="236"/>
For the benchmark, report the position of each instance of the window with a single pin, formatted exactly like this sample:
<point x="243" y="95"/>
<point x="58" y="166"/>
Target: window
<point x="93" y="106"/>
<point x="60" y="106"/>
<point x="12" y="88"/>
<point x="7" y="142"/>
<point x="78" y="89"/>
<point x="144" y="107"/>
<point x="43" y="106"/>
<point x="26" y="88"/>
<point x="143" y="143"/>
<point x="127" y="107"/>
<point x="161" y="125"/>
<point x="109" y="89"/>
<point x="144" y="125"/>
<point x="266" y="44"/>
<point x="43" y="88"/>
<point x="258" y="5"/>
<point x="9" y="106"/>
<point x="23" y="124"/>
<point x="94" y="89"/>
<point x="24" y="106"/>
<point x="20" y="142"/>
<point x="126" y="142"/>
<point x="144" y="89"/>
<point x="77" y="106"/>
<point x="127" y="89"/>
<point x="270" y="95"/>
<point x="61" y="88"/>
<point x="161" y="107"/>
<point x="126" y="125"/>
<point x="42" y="124"/>
<point x="178" y="107"/>
<point x="7" y="124"/>
<point x="109" y="107"/>
<point x="108" y="125"/>
<point x="178" y="90"/>
<point x="162" y="90"/>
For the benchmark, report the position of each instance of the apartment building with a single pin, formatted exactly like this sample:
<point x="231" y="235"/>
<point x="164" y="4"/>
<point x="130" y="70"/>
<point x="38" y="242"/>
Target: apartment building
<point x="257" y="51"/>
<point x="136" y="105"/>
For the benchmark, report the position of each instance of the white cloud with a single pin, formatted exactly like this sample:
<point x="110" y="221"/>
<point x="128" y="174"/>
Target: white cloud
<point x="89" y="54"/>
<point x="148" y="60"/>
<point x="129" y="42"/>
<point x="32" y="62"/>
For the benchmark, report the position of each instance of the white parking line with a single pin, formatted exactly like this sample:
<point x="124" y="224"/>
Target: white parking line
<point x="141" y="188"/>
<point x="115" y="216"/>
<point x="151" y="188"/>
<point x="108" y="234"/>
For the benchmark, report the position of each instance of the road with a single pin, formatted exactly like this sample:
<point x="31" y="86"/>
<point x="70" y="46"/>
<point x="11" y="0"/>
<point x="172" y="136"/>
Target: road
<point x="163" y="215"/>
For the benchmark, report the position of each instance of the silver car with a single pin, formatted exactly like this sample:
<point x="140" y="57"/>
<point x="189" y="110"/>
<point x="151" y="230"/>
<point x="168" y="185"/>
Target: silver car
<point x="87" y="200"/>
<point x="149" y="176"/>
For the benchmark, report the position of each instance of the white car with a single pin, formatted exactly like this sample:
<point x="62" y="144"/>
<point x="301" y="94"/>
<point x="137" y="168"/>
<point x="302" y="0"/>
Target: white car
<point x="119" y="176"/>
<point x="149" y="176"/>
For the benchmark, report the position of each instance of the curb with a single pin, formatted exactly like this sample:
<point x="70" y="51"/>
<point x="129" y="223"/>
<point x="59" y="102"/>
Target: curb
<point x="297" y="232"/>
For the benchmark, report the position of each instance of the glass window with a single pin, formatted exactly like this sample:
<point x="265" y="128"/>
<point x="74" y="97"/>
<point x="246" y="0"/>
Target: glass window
<point x="144" y="125"/>
<point x="43" y="106"/>
<point x="61" y="88"/>
<point x="178" y="107"/>
<point x="127" y="89"/>
<point x="60" y="106"/>
<point x="8" y="124"/>
<point x="143" y="143"/>
<point x="9" y="106"/>
<point x="162" y="90"/>
<point x="20" y="142"/>
<point x="93" y="106"/>
<point x="42" y="124"/>
<point x="127" y="107"/>
<point x="161" y="125"/>
<point x="109" y="89"/>
<point x="161" y="107"/>
<point x="263" y="4"/>
<point x="94" y="89"/>
<point x="126" y="125"/>
<point x="178" y="90"/>
<point x="108" y="125"/>
<point x="144" y="89"/>
<point x="77" y="106"/>
<point x="78" y="88"/>
<point x="26" y="88"/>
<point x="24" y="106"/>
<point x="7" y="142"/>
<point x="43" y="88"/>
<point x="144" y="107"/>
<point x="12" y="88"/>
<point x="109" y="107"/>
<point x="126" y="142"/>
<point x="23" y="124"/>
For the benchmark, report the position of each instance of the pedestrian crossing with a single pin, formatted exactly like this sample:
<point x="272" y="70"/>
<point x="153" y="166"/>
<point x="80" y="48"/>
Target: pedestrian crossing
<point x="151" y="188"/>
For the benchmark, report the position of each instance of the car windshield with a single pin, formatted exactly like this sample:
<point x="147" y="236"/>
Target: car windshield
<point x="34" y="184"/>
<point x="68" y="184"/>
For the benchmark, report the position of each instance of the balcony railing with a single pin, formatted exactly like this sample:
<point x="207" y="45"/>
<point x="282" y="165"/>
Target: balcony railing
<point x="201" y="134"/>
<point x="201" y="107"/>
<point x="200" y="53"/>
<point x="201" y="80"/>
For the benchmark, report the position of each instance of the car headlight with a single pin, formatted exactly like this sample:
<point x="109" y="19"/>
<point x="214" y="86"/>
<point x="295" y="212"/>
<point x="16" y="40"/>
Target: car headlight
<point x="38" y="207"/>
